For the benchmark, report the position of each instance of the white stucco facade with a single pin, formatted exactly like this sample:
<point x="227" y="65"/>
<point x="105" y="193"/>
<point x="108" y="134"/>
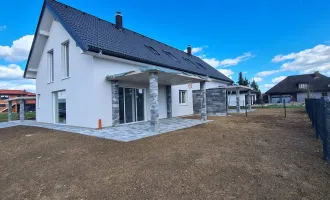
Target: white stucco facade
<point x="88" y="94"/>
<point x="302" y="96"/>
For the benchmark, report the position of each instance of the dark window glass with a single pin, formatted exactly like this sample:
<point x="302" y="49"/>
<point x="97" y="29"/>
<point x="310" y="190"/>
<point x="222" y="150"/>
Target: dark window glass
<point x="171" y="55"/>
<point x="152" y="50"/>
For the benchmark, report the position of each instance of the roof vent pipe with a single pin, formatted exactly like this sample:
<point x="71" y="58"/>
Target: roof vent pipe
<point x="189" y="50"/>
<point x="119" y="20"/>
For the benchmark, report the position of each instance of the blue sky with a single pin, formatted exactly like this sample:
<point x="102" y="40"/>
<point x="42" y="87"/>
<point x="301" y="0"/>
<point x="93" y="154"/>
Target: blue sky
<point x="267" y="40"/>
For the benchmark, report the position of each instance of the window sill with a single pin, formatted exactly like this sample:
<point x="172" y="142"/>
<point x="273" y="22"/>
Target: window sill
<point x="50" y="82"/>
<point x="183" y="104"/>
<point x="65" y="78"/>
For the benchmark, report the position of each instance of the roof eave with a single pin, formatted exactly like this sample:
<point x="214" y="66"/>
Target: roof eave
<point x="114" y="54"/>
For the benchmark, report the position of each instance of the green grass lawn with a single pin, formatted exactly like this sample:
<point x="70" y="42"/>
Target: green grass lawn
<point x="15" y="116"/>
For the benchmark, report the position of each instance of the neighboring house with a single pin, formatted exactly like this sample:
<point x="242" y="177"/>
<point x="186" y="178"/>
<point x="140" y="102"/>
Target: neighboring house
<point x="30" y="105"/>
<point x="88" y="69"/>
<point x="243" y="98"/>
<point x="297" y="88"/>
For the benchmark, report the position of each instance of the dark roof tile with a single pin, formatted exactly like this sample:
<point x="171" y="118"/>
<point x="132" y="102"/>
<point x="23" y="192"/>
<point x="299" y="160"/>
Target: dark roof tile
<point x="95" y="33"/>
<point x="290" y="84"/>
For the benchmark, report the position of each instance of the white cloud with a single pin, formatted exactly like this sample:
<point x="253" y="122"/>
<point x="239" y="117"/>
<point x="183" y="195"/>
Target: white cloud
<point x="212" y="61"/>
<point x="18" y="84"/>
<point x="227" y="72"/>
<point x="267" y="86"/>
<point x="11" y="77"/>
<point x="267" y="73"/>
<point x="226" y="62"/>
<point x="2" y="28"/>
<point x="19" y="50"/>
<point x="235" y="61"/>
<point x="257" y="79"/>
<point x="306" y="61"/>
<point x="278" y="79"/>
<point x="11" y="71"/>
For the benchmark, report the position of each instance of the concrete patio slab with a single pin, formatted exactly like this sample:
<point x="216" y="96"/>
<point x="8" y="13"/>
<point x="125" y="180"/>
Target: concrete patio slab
<point x="122" y="133"/>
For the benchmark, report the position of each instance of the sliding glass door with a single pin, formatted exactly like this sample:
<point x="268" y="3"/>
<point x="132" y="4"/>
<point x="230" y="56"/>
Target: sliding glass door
<point x="131" y="105"/>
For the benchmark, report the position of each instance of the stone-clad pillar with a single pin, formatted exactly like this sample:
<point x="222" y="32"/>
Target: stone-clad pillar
<point x="153" y="98"/>
<point x="249" y="100"/>
<point x="238" y="108"/>
<point x="169" y="101"/>
<point x="203" y="101"/>
<point x="21" y="110"/>
<point x="10" y="110"/>
<point x="115" y="103"/>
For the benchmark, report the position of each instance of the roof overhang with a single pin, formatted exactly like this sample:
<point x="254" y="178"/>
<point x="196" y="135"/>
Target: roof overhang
<point x="237" y="87"/>
<point x="21" y="98"/>
<point x="165" y="76"/>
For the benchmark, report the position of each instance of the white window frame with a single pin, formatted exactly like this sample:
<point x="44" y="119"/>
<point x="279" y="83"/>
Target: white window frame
<point x="303" y="85"/>
<point x="324" y="94"/>
<point x="38" y="101"/>
<point x="183" y="97"/>
<point x="66" y="59"/>
<point x="50" y="64"/>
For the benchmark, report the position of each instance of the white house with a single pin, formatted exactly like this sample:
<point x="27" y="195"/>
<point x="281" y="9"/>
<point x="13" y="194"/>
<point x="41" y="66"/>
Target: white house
<point x="299" y="87"/>
<point x="88" y="71"/>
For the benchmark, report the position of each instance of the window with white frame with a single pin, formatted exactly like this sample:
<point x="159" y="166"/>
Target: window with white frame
<point x="38" y="101"/>
<point x="65" y="60"/>
<point x="183" y="97"/>
<point x="50" y="61"/>
<point x="303" y="86"/>
<point x="324" y="94"/>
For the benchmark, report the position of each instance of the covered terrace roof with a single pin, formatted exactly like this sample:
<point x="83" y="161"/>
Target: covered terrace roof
<point x="165" y="76"/>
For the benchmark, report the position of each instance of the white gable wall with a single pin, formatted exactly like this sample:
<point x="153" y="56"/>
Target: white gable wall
<point x="88" y="94"/>
<point x="78" y="87"/>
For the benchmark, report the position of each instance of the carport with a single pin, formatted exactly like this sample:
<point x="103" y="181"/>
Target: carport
<point x="21" y="101"/>
<point x="238" y="89"/>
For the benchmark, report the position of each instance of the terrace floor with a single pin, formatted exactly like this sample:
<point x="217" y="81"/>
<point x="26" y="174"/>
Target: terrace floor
<point x="122" y="133"/>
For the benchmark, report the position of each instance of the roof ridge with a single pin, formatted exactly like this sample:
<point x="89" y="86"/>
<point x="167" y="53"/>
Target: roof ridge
<point x="123" y="27"/>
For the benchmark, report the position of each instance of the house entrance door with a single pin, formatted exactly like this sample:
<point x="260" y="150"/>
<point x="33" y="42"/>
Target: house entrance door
<point x="131" y="105"/>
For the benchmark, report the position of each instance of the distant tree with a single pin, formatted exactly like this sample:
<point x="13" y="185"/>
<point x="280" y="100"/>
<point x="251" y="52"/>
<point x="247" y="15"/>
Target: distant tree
<point x="246" y="82"/>
<point x="240" y="79"/>
<point x="255" y="87"/>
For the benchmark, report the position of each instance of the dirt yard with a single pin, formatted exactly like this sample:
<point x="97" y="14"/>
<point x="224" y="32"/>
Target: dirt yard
<point x="262" y="156"/>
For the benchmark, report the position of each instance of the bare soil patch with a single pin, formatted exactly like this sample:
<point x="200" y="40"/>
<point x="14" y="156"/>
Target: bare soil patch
<point x="262" y="156"/>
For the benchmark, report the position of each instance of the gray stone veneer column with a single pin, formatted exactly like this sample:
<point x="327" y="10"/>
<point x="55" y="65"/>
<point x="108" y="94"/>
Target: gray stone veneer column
<point x="153" y="98"/>
<point x="238" y="108"/>
<point x="115" y="103"/>
<point x="10" y="110"/>
<point x="21" y="110"/>
<point x="249" y="100"/>
<point x="169" y="101"/>
<point x="203" y="101"/>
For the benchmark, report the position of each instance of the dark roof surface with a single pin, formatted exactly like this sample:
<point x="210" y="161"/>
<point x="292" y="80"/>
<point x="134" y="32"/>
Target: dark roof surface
<point x="93" y="34"/>
<point x="290" y="84"/>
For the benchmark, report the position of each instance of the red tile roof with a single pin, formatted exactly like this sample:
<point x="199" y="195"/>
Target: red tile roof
<point x="16" y="92"/>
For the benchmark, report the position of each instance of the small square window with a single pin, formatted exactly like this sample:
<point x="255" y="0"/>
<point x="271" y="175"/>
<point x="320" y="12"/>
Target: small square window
<point x="324" y="94"/>
<point x="183" y="97"/>
<point x="152" y="49"/>
<point x="171" y="55"/>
